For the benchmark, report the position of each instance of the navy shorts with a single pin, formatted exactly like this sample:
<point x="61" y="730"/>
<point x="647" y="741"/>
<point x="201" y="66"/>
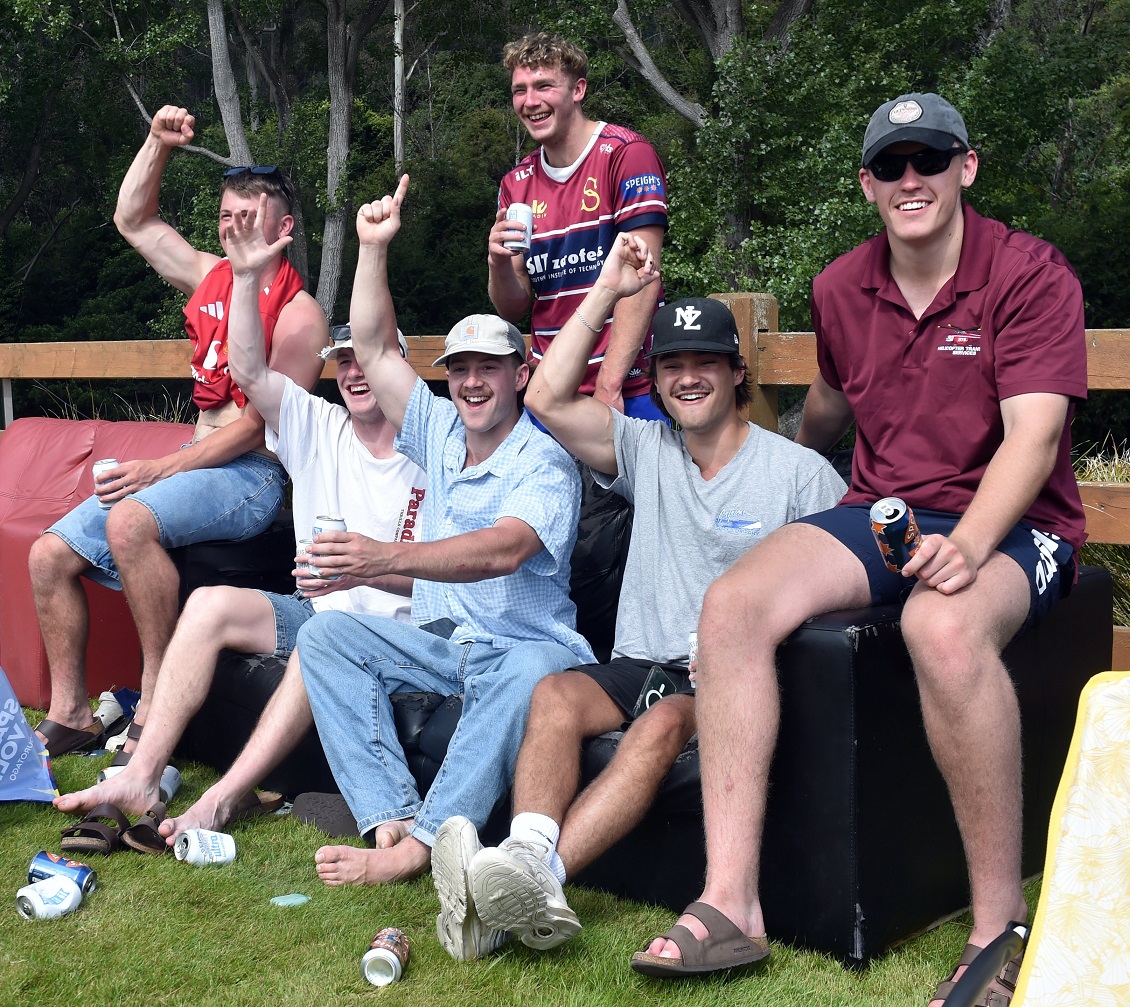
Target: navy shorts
<point x="623" y="678"/>
<point x="1047" y="561"/>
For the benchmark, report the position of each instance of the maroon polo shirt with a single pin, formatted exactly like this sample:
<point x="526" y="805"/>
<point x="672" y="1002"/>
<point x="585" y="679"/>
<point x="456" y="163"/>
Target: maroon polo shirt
<point x="926" y="392"/>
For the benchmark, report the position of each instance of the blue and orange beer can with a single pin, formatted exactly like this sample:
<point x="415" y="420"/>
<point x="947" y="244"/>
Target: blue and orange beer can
<point x="51" y="865"/>
<point x="896" y="532"/>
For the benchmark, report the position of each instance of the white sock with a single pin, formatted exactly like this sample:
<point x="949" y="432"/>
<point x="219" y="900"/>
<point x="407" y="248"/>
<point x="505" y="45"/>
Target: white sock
<point x="532" y="827"/>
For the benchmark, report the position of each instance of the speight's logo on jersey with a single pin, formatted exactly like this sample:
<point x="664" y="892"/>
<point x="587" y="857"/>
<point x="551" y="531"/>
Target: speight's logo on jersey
<point x="642" y="185"/>
<point x="960" y="342"/>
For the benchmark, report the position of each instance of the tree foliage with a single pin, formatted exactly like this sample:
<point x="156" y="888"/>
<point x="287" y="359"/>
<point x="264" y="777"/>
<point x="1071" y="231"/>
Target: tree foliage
<point x="762" y="173"/>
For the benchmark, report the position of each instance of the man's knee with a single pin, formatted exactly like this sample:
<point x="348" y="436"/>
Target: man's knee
<point x="51" y="560"/>
<point x="563" y="701"/>
<point x="129" y="526"/>
<point x="213" y="610"/>
<point x="666" y="726"/>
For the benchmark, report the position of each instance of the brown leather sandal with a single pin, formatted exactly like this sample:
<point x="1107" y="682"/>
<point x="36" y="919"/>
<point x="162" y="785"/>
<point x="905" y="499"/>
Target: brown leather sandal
<point x="724" y="947"/>
<point x="1001" y="989"/>
<point x="62" y="740"/>
<point x="143" y="835"/>
<point x="92" y="834"/>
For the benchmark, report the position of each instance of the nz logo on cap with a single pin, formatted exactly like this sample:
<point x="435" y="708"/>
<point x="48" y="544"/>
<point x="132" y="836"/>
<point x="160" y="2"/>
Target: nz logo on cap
<point x="686" y="318"/>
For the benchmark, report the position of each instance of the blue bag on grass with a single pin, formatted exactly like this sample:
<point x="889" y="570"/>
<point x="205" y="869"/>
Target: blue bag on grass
<point x="25" y="771"/>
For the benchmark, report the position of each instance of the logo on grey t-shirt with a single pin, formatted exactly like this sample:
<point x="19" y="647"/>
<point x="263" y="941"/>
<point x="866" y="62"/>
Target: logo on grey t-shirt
<point x="739" y="521"/>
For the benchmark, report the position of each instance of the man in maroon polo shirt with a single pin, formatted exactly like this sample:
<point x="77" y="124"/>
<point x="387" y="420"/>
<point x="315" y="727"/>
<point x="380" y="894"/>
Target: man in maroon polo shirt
<point x="957" y="347"/>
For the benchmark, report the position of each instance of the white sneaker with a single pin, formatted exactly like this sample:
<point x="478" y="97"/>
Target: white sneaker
<point x="515" y="890"/>
<point x="458" y="926"/>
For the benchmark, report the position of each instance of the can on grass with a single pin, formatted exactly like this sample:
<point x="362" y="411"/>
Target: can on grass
<point x="51" y="865"/>
<point x="896" y="532"/>
<point x="202" y="847"/>
<point x="387" y="957"/>
<point x="524" y="213"/>
<point x="48" y="899"/>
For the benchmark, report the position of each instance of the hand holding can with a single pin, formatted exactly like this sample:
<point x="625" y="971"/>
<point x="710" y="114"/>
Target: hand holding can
<point x="97" y="470"/>
<point x="896" y="532"/>
<point x="524" y="214"/>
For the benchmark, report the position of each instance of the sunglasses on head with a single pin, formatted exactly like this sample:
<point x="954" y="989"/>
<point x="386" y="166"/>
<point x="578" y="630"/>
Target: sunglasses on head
<point x="340" y="332"/>
<point x="255" y="169"/>
<point x="891" y="167"/>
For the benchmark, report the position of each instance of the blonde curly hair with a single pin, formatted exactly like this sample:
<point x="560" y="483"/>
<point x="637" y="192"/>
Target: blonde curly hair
<point x="540" y="48"/>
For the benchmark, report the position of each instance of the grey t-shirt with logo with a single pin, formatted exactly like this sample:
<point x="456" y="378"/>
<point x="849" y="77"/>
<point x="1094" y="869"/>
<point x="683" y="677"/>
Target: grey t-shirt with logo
<point x="688" y="530"/>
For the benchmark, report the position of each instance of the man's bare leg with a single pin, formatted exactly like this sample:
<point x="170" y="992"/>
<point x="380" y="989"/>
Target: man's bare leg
<point x="151" y="585"/>
<point x="213" y="618"/>
<point x="64" y="618"/>
<point x="619" y="798"/>
<point x="973" y="724"/>
<point x="283" y="723"/>
<point x="797" y="572"/>
<point x="565" y="709"/>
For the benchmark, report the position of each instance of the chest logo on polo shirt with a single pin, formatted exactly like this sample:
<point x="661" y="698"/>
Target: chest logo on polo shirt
<point x="959" y="342"/>
<point x="590" y="193"/>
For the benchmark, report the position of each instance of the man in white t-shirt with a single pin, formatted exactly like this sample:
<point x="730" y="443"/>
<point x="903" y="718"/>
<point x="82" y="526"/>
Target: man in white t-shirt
<point x="342" y="462"/>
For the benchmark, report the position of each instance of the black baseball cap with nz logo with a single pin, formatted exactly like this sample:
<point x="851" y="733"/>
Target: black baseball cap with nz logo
<point x="694" y="323"/>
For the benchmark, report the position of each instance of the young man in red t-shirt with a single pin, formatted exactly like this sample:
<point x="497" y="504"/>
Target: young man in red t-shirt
<point x="224" y="485"/>
<point x="587" y="182"/>
<point x="957" y="347"/>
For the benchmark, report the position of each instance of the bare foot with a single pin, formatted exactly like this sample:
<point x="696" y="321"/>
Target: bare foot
<point x="130" y="791"/>
<point x="388" y="834"/>
<point x="349" y="865"/>
<point x="213" y="811"/>
<point x="664" y="948"/>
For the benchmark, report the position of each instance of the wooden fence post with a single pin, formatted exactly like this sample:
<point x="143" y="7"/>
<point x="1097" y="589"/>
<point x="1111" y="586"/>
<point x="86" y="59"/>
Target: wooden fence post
<point x="755" y="314"/>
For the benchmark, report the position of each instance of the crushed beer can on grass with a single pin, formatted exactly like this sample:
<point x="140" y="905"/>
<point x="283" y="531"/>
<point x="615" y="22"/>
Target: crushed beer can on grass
<point x="203" y="848"/>
<point x="48" y="899"/>
<point x="387" y="957"/>
<point x="52" y="865"/>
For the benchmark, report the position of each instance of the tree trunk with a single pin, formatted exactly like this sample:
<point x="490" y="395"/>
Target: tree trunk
<point x="337" y="150"/>
<point x="227" y="95"/>
<point x="398" y="88"/>
<point x="31" y="169"/>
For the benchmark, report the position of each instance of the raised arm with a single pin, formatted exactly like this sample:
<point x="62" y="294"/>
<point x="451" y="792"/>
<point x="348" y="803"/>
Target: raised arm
<point x="372" y="317"/>
<point x="630" y="323"/>
<point x="138" y="217"/>
<point x="582" y="424"/>
<point x="250" y="254"/>
<point x="508" y="283"/>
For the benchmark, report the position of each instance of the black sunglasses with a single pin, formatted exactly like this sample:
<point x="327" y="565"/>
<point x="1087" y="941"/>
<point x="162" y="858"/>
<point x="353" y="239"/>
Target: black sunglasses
<point x="891" y="167"/>
<point x="255" y="169"/>
<point x="340" y="332"/>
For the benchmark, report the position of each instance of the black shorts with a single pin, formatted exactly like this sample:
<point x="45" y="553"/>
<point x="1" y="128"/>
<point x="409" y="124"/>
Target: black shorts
<point x="1047" y="561"/>
<point x="623" y="679"/>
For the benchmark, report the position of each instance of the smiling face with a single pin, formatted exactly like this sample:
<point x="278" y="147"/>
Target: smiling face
<point x="354" y="389"/>
<point x="277" y="222"/>
<point x="920" y="209"/>
<point x="547" y="100"/>
<point x="697" y="388"/>
<point x="484" y="388"/>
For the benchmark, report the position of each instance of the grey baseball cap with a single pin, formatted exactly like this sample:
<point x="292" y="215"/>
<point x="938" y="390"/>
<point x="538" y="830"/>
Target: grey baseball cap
<point x="922" y="118"/>
<point x="694" y="323"/>
<point x="342" y="339"/>
<point x="483" y="334"/>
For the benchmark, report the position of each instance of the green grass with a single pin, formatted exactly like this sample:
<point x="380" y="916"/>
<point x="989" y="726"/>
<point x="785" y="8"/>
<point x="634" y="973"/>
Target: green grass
<point x="1109" y="465"/>
<point x="159" y="932"/>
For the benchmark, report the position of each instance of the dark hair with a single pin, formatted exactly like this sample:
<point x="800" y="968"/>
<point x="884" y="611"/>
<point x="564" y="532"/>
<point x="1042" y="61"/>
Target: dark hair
<point x="540" y="48"/>
<point x="252" y="183"/>
<point x="743" y="390"/>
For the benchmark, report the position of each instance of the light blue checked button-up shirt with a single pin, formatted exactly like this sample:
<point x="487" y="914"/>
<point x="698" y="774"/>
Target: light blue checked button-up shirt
<point x="529" y="476"/>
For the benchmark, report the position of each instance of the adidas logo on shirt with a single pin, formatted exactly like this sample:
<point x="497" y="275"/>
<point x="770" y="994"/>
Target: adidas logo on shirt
<point x="215" y="309"/>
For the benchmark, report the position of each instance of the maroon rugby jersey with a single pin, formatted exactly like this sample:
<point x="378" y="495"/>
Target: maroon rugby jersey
<point x="617" y="184"/>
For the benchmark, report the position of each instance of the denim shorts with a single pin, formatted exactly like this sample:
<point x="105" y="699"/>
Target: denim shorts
<point x="1047" y="561"/>
<point x="233" y="502"/>
<point x="291" y="611"/>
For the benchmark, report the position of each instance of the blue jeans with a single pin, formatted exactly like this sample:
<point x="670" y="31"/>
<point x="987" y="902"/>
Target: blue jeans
<point x="352" y="664"/>
<point x="232" y="502"/>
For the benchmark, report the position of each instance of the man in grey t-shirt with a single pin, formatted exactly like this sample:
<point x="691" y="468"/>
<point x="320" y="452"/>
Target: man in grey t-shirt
<point x="703" y="495"/>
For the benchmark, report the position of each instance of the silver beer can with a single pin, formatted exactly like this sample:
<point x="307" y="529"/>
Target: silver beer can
<point x="48" y="899"/>
<point x="96" y="470"/>
<point x="524" y="213"/>
<point x="202" y="848"/>
<point x="326" y="522"/>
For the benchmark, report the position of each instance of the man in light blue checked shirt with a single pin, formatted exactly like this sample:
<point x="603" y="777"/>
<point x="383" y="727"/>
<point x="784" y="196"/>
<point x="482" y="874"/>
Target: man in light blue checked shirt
<point x="490" y="605"/>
